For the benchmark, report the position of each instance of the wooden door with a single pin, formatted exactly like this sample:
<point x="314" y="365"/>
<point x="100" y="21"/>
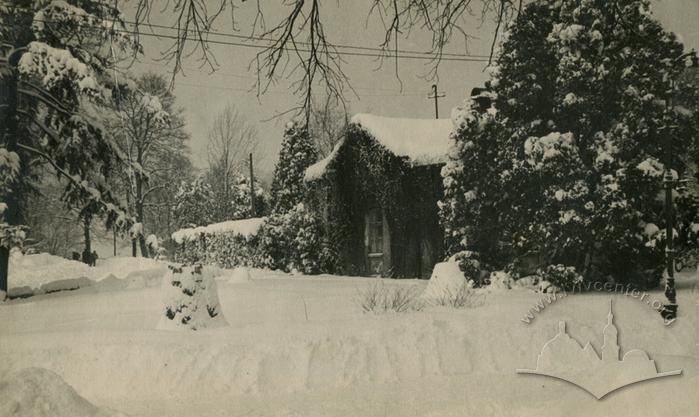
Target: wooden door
<point x="377" y="243"/>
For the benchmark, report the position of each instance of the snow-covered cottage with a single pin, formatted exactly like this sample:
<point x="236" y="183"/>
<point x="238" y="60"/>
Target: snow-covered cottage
<point x="377" y="193"/>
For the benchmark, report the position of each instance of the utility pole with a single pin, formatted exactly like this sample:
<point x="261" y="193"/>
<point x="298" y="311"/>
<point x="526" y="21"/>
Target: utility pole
<point x="436" y="96"/>
<point x="252" y="189"/>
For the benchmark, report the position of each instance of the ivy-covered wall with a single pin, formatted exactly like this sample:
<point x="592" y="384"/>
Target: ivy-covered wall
<point x="365" y="175"/>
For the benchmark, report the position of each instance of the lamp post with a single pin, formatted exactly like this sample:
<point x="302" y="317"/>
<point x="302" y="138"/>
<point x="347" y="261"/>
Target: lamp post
<point x="669" y="310"/>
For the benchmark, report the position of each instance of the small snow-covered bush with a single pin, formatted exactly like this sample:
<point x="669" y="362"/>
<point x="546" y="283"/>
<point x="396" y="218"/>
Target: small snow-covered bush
<point x="561" y="276"/>
<point x="500" y="280"/>
<point x="462" y="297"/>
<point x="378" y="298"/>
<point x="470" y="264"/>
<point x="190" y="300"/>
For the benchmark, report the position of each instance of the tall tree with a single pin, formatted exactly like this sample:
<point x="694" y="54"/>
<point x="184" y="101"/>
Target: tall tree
<point x="150" y="134"/>
<point x="297" y="153"/>
<point x="231" y="140"/>
<point x="55" y="76"/>
<point x="327" y="122"/>
<point x="193" y="203"/>
<point x="583" y="128"/>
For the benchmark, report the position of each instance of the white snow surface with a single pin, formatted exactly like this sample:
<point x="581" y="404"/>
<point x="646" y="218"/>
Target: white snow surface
<point x="37" y="392"/>
<point x="301" y="346"/>
<point x="446" y="280"/>
<point x="423" y="141"/>
<point x="244" y="227"/>
<point x="41" y="273"/>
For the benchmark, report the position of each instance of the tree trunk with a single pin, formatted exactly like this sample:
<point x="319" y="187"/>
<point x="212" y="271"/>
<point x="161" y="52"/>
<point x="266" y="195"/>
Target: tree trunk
<point x="87" y="257"/>
<point x="139" y="215"/>
<point x="4" y="269"/>
<point x="11" y="198"/>
<point x="134" y="252"/>
<point x="86" y="234"/>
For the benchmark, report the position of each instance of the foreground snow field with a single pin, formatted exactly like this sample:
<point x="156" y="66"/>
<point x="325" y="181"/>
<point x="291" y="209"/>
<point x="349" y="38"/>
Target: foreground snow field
<point x="300" y="346"/>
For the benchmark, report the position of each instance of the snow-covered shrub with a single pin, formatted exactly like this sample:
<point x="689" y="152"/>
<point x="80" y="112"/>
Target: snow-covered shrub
<point x="379" y="298"/>
<point x="226" y="245"/>
<point x="463" y="296"/>
<point x="561" y="276"/>
<point x="500" y="280"/>
<point x="470" y="264"/>
<point x="294" y="241"/>
<point x="190" y="299"/>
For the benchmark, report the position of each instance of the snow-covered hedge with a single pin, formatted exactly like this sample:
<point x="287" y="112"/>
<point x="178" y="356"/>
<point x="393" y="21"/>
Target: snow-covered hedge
<point x="285" y="241"/>
<point x="227" y="244"/>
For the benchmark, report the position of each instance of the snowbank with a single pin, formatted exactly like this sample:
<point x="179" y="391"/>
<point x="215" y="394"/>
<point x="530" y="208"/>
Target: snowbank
<point x="44" y="273"/>
<point x="301" y="347"/>
<point x="37" y="392"/>
<point x="237" y="276"/>
<point x="447" y="279"/>
<point x="245" y="227"/>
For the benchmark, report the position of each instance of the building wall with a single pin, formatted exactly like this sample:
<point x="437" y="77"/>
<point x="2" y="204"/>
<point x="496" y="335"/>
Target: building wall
<point x="364" y="176"/>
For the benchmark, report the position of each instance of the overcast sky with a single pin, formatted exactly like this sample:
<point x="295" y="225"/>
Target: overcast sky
<point x="204" y="94"/>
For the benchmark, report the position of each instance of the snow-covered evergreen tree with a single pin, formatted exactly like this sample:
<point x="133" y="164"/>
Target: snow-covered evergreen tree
<point x="240" y="198"/>
<point x="190" y="299"/>
<point x="298" y="153"/>
<point x="293" y="241"/>
<point x="60" y="66"/>
<point x="576" y="148"/>
<point x="194" y="204"/>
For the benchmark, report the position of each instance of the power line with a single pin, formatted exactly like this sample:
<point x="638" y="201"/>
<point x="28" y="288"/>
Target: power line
<point x="432" y="55"/>
<point x="256" y="46"/>
<point x="409" y="94"/>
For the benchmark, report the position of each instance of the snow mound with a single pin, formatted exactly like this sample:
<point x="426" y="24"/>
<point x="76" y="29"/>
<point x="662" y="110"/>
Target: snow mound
<point x="447" y="279"/>
<point x="238" y="276"/>
<point x="190" y="299"/>
<point x="38" y="392"/>
<point x="424" y="141"/>
<point x="44" y="273"/>
<point x="245" y="227"/>
<point x="33" y="271"/>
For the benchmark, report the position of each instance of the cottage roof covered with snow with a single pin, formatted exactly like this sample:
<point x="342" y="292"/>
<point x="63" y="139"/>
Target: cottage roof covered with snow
<point x="421" y="141"/>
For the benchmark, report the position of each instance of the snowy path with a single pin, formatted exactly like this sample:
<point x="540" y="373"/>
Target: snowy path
<point x="299" y="346"/>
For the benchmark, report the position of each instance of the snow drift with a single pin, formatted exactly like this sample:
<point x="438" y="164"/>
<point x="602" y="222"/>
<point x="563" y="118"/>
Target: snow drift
<point x="44" y="273"/>
<point x="447" y="279"/>
<point x="37" y="392"/>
